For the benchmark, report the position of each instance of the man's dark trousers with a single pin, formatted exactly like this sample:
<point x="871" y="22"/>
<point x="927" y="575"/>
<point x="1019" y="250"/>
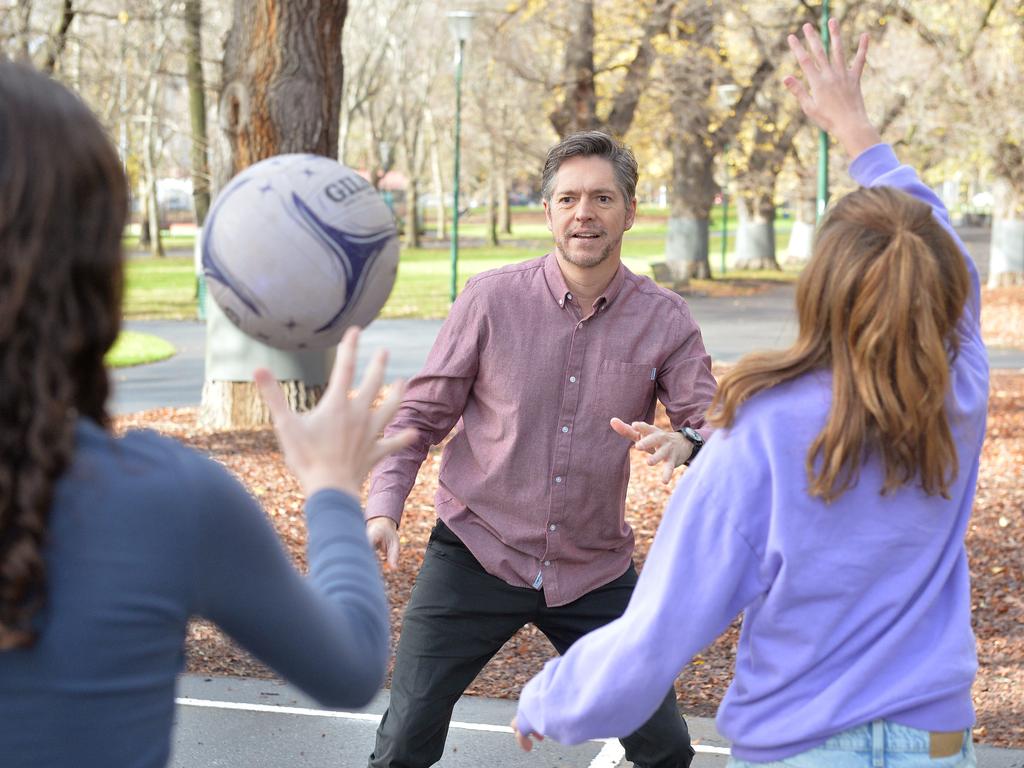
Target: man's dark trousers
<point x="458" y="617"/>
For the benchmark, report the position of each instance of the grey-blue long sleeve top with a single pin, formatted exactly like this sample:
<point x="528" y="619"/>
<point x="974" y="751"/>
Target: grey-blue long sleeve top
<point x="144" y="534"/>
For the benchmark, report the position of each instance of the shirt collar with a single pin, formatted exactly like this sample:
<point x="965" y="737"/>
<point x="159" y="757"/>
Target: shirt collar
<point x="560" y="291"/>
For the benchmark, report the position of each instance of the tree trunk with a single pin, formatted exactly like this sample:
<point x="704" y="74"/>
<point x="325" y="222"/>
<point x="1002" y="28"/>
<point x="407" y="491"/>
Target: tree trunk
<point x="24" y="22"/>
<point x="440" y="219"/>
<point x="282" y="79"/>
<point x="801" y="236"/>
<point x="578" y="109"/>
<point x="228" y="402"/>
<point x="149" y="162"/>
<point x="693" y="191"/>
<point x="492" y="199"/>
<point x="755" y="239"/>
<point x="1006" y="255"/>
<point x="197" y="108"/>
<point x="504" y="209"/>
<point x="412" y="212"/>
<point x="281" y="93"/>
<point x="144" y="228"/>
<point x="59" y="36"/>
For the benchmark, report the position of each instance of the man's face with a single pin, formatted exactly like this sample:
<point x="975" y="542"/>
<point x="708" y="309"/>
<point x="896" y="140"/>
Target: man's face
<point x="587" y="212"/>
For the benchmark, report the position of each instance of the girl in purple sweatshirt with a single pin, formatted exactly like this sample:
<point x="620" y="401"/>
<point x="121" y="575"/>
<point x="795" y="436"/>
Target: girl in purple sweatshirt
<point x="831" y="506"/>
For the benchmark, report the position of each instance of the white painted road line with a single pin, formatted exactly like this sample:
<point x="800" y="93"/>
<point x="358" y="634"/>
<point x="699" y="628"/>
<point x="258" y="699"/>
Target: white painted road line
<point x="609" y="756"/>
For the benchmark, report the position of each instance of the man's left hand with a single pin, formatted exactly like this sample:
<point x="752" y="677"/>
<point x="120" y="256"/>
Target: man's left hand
<point x="670" y="448"/>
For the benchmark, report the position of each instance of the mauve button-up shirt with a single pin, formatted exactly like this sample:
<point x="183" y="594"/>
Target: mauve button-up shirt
<point x="534" y="480"/>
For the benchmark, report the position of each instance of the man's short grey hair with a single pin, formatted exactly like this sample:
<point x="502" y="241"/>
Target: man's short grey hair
<point x="592" y="144"/>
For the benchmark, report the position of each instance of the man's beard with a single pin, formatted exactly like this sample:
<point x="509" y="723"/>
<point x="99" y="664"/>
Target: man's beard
<point x="585" y="260"/>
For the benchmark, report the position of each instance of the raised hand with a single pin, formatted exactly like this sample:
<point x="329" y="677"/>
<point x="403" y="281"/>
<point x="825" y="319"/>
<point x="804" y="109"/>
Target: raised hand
<point x="336" y="444"/>
<point x="834" y="102"/>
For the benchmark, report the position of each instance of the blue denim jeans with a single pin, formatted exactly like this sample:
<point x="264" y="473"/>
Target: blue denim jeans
<point x="880" y="744"/>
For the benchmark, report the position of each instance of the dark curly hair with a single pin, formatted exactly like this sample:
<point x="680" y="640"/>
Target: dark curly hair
<point x="63" y="203"/>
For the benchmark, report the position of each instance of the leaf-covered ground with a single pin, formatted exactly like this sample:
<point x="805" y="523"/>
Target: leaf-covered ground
<point x="995" y="541"/>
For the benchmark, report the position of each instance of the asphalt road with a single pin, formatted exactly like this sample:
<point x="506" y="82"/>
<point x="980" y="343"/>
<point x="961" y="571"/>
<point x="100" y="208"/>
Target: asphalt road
<point x="232" y="722"/>
<point x="731" y="328"/>
<point x="244" y="723"/>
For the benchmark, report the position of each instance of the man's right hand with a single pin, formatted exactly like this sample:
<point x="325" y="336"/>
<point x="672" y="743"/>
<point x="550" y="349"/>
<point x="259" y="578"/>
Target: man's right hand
<point x="383" y="535"/>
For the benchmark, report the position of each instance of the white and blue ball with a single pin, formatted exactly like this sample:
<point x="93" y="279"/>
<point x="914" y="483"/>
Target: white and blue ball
<point x="297" y="248"/>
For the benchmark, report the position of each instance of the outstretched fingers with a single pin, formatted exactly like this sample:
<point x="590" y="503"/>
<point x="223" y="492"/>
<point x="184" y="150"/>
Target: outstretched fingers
<point x="373" y="379"/>
<point x="344" y="365"/>
<point x="836" y="47"/>
<point x="861" y="57"/>
<point x="803" y="58"/>
<point x="799" y="91"/>
<point x="272" y="395"/>
<point x="385" y="446"/>
<point x="816" y="47"/>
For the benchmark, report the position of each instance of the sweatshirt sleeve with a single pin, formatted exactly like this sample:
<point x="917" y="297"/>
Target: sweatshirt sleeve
<point x="328" y="633"/>
<point x="701" y="571"/>
<point x="877" y="166"/>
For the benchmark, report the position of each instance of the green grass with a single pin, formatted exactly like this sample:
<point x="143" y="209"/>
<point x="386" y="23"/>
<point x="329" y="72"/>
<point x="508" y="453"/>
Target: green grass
<point x="160" y="288"/>
<point x="182" y="241"/>
<point x="165" y="288"/>
<point x="133" y="348"/>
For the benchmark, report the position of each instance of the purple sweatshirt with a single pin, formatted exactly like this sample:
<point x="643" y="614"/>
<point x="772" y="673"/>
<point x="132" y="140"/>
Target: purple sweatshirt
<point x="853" y="611"/>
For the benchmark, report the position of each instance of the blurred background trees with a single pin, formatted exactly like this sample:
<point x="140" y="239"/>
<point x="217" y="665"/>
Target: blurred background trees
<point x="692" y="86"/>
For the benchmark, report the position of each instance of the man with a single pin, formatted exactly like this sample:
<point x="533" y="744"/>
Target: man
<point x="540" y="361"/>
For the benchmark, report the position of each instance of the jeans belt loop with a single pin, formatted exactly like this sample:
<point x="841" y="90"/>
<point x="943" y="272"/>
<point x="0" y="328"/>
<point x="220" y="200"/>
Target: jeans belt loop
<point x="878" y="744"/>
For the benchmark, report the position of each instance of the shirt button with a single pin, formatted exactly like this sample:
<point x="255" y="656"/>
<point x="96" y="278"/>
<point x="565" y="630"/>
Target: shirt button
<point x="572" y="379"/>
<point x="558" y="479"/>
<point x="553" y="527"/>
<point x="547" y="563"/>
<point x="565" y="429"/>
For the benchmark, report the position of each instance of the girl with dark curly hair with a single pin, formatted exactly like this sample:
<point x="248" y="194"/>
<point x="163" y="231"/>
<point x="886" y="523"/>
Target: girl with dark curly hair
<point x="108" y="545"/>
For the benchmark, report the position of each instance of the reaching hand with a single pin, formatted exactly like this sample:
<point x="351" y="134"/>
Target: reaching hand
<point x="522" y="739"/>
<point x="336" y="444"/>
<point x="669" y="447"/>
<point x="835" y="102"/>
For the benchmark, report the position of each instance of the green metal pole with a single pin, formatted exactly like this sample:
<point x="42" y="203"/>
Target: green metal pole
<point x="455" y="191"/>
<point x="725" y="205"/>
<point x="822" y="135"/>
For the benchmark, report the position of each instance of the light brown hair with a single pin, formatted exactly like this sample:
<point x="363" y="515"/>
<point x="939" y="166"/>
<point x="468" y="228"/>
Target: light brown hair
<point x="63" y="202"/>
<point x="878" y="305"/>
<point x="592" y="144"/>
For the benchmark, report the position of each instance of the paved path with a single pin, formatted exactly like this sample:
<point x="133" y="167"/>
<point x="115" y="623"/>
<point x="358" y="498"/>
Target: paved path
<point x="244" y="723"/>
<point x="233" y="722"/>
<point x="731" y="327"/>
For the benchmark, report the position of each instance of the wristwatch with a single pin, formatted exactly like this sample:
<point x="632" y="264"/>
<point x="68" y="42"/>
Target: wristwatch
<point x="694" y="437"/>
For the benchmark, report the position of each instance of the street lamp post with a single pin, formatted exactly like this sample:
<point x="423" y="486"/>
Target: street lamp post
<point x="461" y="25"/>
<point x="822" y="135"/>
<point x="384" y="148"/>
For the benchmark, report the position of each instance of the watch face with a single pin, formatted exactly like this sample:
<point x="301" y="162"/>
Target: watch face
<point x="693" y="435"/>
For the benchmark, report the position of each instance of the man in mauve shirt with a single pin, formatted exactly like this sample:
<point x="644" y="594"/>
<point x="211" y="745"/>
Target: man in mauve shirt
<point x="553" y="366"/>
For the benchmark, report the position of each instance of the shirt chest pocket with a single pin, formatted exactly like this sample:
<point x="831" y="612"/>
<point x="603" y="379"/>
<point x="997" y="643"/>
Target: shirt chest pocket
<point x="624" y="389"/>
